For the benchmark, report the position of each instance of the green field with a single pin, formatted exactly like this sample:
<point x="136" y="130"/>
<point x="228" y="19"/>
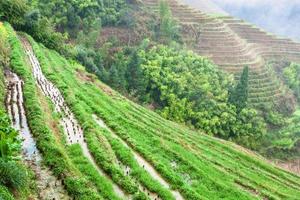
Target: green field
<point x="196" y="165"/>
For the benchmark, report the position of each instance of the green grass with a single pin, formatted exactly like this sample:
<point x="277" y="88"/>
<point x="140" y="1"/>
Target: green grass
<point x="21" y="175"/>
<point x="296" y="114"/>
<point x="4" y="192"/>
<point x="54" y="155"/>
<point x="217" y="169"/>
<point x="102" y="184"/>
<point x="102" y="152"/>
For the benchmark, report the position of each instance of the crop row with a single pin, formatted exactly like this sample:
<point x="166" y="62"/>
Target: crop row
<point x="145" y="139"/>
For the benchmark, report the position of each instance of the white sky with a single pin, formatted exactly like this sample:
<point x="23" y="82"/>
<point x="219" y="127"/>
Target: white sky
<point x="256" y="3"/>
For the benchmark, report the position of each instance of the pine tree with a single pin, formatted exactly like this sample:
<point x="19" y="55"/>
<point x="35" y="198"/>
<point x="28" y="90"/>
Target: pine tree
<point x="239" y="95"/>
<point x="137" y="84"/>
<point x="114" y="77"/>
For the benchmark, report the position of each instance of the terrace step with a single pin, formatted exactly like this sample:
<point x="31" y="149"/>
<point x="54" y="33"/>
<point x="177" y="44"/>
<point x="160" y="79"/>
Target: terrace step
<point x="233" y="44"/>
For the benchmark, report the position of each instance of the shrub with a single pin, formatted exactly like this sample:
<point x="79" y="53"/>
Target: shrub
<point x="13" y="175"/>
<point x="5" y="194"/>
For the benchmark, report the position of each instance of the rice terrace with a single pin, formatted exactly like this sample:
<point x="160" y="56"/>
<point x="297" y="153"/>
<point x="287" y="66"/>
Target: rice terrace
<point x="148" y="100"/>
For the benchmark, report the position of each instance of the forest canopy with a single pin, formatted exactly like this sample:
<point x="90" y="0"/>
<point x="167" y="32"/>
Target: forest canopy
<point x="186" y="88"/>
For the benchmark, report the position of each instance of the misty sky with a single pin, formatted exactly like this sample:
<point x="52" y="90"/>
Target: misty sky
<point x="277" y="16"/>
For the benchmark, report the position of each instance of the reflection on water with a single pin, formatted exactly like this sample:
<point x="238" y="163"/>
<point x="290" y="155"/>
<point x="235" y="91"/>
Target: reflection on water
<point x="49" y="187"/>
<point x="14" y="102"/>
<point x="72" y="129"/>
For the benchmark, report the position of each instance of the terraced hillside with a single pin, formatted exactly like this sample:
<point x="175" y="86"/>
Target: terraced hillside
<point x="100" y="145"/>
<point x="233" y="45"/>
<point x="268" y="45"/>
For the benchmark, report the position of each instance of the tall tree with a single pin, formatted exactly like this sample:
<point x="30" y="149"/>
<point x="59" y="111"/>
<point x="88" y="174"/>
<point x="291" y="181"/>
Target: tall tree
<point x="168" y="28"/>
<point x="13" y="11"/>
<point x="239" y="95"/>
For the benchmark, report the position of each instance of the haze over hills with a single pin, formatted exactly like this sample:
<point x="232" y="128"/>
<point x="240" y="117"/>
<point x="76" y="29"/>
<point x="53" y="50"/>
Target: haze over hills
<point x="205" y="6"/>
<point x="281" y="17"/>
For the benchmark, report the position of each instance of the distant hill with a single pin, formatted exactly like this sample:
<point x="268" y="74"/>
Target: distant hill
<point x="205" y="6"/>
<point x="281" y="17"/>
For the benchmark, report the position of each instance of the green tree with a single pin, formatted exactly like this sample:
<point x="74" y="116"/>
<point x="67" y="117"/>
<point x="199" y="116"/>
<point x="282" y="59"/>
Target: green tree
<point x="183" y="87"/>
<point x="13" y="11"/>
<point x="32" y="20"/>
<point x="168" y="28"/>
<point x="250" y="128"/>
<point x="114" y="77"/>
<point x="292" y="78"/>
<point x="137" y="83"/>
<point x="239" y="95"/>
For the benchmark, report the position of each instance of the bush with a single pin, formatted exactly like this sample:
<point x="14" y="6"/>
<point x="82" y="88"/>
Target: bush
<point x="5" y="194"/>
<point x="185" y="88"/>
<point x="13" y="175"/>
<point x="13" y="11"/>
<point x="291" y="75"/>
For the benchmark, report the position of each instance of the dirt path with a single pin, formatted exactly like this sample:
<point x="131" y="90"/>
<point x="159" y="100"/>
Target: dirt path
<point x="292" y="166"/>
<point x="49" y="187"/>
<point x="72" y="129"/>
<point x="143" y="163"/>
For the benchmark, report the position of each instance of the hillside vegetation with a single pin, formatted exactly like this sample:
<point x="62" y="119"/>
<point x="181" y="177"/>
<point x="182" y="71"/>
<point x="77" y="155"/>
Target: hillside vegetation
<point x="149" y="72"/>
<point x="144" y="100"/>
<point x="197" y="165"/>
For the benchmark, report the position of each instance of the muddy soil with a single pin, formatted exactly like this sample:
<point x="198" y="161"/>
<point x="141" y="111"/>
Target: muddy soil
<point x="49" y="187"/>
<point x="72" y="129"/>
<point x="292" y="166"/>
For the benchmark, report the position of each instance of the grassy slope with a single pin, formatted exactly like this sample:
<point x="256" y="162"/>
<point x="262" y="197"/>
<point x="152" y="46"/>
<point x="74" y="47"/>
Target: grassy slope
<point x="54" y="155"/>
<point x="4" y="193"/>
<point x="217" y="169"/>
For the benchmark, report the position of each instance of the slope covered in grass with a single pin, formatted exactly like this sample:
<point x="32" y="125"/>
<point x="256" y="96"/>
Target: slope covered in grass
<point x="197" y="165"/>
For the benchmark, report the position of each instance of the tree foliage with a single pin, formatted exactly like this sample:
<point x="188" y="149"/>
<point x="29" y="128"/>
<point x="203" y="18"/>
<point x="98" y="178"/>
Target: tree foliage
<point x="168" y="27"/>
<point x="292" y="78"/>
<point x="13" y="11"/>
<point x="239" y="95"/>
<point x="73" y="16"/>
<point x="186" y="88"/>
